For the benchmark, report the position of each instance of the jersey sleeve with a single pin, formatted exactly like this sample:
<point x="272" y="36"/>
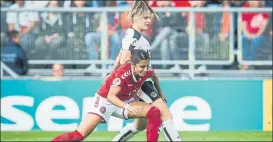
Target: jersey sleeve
<point x="130" y="39"/>
<point x="117" y="80"/>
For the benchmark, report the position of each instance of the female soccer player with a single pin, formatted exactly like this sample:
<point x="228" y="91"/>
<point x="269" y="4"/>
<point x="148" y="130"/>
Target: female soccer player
<point x="117" y="97"/>
<point x="141" y="16"/>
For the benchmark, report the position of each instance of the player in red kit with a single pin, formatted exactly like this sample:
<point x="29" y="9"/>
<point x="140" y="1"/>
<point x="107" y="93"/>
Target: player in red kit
<point x="141" y="16"/>
<point x="117" y="97"/>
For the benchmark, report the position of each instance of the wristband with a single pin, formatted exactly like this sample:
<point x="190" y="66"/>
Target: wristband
<point x="126" y="106"/>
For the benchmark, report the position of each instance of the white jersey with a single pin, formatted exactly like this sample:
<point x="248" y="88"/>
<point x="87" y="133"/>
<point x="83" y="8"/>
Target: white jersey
<point x="132" y="39"/>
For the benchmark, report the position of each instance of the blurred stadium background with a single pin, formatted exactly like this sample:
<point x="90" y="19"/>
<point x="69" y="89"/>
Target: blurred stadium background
<point x="213" y="59"/>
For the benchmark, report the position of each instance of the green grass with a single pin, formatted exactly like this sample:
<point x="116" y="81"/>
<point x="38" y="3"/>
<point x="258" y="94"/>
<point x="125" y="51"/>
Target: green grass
<point x="107" y="136"/>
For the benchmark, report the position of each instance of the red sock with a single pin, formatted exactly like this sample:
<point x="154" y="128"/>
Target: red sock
<point x="72" y="136"/>
<point x="154" y="123"/>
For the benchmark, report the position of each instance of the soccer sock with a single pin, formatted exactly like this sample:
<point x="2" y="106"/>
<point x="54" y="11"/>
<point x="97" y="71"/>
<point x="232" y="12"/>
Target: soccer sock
<point x="71" y="136"/>
<point x="126" y="133"/>
<point x="170" y="131"/>
<point x="153" y="126"/>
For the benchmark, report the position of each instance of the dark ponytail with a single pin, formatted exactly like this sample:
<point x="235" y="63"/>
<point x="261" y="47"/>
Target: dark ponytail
<point x="138" y="55"/>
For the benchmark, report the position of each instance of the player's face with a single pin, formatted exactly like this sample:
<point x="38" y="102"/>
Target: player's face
<point x="142" y="67"/>
<point x="144" y="21"/>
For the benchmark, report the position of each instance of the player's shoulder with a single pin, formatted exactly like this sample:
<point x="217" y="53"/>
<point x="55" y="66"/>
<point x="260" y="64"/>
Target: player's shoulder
<point x="131" y="33"/>
<point x="122" y="73"/>
<point x="123" y="68"/>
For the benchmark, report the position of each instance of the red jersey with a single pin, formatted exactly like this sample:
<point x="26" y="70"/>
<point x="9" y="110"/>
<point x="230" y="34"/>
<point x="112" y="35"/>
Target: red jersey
<point x="124" y="78"/>
<point x="254" y="20"/>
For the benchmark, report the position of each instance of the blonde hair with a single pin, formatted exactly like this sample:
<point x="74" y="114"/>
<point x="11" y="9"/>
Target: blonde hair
<point x="140" y="8"/>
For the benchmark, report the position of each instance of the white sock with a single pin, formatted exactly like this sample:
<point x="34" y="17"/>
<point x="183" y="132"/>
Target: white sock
<point x="170" y="132"/>
<point x="126" y="133"/>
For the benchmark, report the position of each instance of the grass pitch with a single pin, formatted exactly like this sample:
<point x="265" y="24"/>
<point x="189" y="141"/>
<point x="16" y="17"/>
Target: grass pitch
<point x="108" y="136"/>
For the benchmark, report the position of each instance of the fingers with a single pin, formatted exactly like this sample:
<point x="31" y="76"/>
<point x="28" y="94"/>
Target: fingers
<point x="137" y="110"/>
<point x="139" y="93"/>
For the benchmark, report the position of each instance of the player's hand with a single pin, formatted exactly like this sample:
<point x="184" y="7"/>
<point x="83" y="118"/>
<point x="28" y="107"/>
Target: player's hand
<point x="135" y="109"/>
<point x="139" y="92"/>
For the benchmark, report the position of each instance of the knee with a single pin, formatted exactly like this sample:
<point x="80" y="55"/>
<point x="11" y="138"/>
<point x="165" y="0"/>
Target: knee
<point x="164" y="112"/>
<point x="154" y="114"/>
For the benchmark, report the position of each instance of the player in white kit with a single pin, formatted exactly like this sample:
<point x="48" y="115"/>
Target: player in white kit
<point x="141" y="15"/>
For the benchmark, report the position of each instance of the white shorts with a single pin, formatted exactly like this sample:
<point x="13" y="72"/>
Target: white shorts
<point x="148" y="91"/>
<point x="103" y="108"/>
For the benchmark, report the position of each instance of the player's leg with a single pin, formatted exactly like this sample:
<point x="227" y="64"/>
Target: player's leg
<point x="131" y="129"/>
<point x="152" y="113"/>
<point x="150" y="95"/>
<point x="88" y="124"/>
<point x="169" y="130"/>
<point x="100" y="112"/>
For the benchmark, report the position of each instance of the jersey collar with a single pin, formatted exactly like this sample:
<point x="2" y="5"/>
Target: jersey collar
<point x="133" y="74"/>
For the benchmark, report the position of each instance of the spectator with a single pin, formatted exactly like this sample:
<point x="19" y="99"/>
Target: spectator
<point x="253" y="27"/>
<point x="52" y="33"/>
<point x="58" y="70"/>
<point x="268" y="3"/>
<point x="92" y="3"/>
<point x="181" y="40"/>
<point x="92" y="39"/>
<point x="170" y="23"/>
<point x="225" y="27"/>
<point x="218" y="27"/>
<point x="4" y="25"/>
<point x="13" y="55"/>
<point x="122" y="3"/>
<point x="234" y="4"/>
<point x="78" y="25"/>
<point x="181" y="3"/>
<point x="37" y="4"/>
<point x="57" y="73"/>
<point x="25" y="23"/>
<point x="264" y="52"/>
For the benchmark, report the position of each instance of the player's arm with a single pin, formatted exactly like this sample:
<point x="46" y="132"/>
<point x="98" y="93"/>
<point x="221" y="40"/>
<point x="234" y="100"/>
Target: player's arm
<point x="112" y="97"/>
<point x="117" y="61"/>
<point x="158" y="88"/>
<point x="123" y="57"/>
<point x="128" y="44"/>
<point x="156" y="82"/>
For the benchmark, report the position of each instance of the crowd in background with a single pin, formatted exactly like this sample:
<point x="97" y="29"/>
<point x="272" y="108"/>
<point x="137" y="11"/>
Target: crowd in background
<point x="76" y="36"/>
